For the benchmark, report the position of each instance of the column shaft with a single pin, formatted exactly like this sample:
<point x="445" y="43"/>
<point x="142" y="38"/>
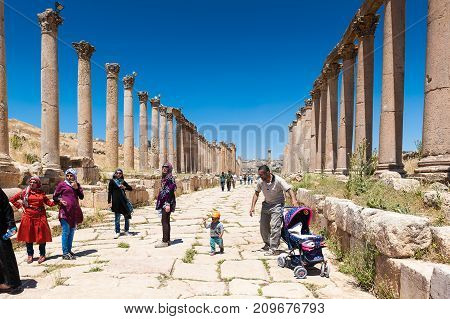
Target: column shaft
<point x="154" y="142"/>
<point x="112" y="116"/>
<point x="162" y="136"/>
<point x="171" y="151"/>
<point x="128" y="123"/>
<point x="143" y="132"/>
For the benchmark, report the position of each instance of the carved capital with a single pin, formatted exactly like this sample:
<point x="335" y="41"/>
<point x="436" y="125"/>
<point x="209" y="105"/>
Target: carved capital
<point x="331" y="70"/>
<point x="49" y="20"/>
<point x="84" y="49"/>
<point x="348" y="51"/>
<point x="365" y="25"/>
<point x="308" y="102"/>
<point x="162" y="111"/>
<point x="298" y="114"/>
<point x="143" y="96"/>
<point x="170" y="116"/>
<point x="128" y="81"/>
<point x="155" y="101"/>
<point x="112" y="70"/>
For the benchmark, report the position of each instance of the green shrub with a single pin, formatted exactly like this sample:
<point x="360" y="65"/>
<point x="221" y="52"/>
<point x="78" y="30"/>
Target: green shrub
<point x="31" y="158"/>
<point x="16" y="142"/>
<point x="189" y="256"/>
<point x="362" y="167"/>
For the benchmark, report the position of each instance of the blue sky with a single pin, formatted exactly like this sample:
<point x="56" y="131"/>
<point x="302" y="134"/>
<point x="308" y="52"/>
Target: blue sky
<point x="235" y="63"/>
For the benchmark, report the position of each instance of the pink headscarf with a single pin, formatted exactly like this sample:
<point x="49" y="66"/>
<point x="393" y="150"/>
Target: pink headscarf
<point x="28" y="189"/>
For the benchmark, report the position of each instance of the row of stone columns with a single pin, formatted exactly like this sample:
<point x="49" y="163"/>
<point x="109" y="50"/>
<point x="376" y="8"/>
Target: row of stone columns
<point x="331" y="145"/>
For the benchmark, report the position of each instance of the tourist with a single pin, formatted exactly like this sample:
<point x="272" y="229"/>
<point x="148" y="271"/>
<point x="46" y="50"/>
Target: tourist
<point x="271" y="222"/>
<point x="240" y="180"/>
<point x="234" y="180"/>
<point x="166" y="203"/>
<point x="9" y="272"/>
<point x="216" y="232"/>
<point x="34" y="225"/>
<point x="223" y="179"/>
<point x="67" y="194"/>
<point x="245" y="179"/>
<point x="120" y="204"/>
<point x="229" y="180"/>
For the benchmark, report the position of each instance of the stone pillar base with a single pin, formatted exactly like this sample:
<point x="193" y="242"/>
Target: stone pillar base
<point x="341" y="171"/>
<point x="434" y="168"/>
<point x="50" y="178"/>
<point x="328" y="171"/>
<point x="391" y="167"/>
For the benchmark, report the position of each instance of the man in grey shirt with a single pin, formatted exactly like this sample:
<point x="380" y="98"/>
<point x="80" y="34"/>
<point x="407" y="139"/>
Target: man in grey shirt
<point x="273" y="187"/>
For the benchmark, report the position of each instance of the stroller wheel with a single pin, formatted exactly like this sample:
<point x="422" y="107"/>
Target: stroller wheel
<point x="282" y="260"/>
<point x="322" y="269"/>
<point x="327" y="271"/>
<point x="300" y="272"/>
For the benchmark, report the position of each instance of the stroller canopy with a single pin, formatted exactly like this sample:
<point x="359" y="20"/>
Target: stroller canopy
<point x="296" y="215"/>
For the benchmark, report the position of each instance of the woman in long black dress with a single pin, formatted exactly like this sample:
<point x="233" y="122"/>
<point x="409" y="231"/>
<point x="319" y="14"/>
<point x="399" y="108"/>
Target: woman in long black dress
<point x="120" y="203"/>
<point x="9" y="272"/>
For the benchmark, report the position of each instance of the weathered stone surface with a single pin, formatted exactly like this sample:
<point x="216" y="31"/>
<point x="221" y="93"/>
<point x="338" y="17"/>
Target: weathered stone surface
<point x="246" y="269"/>
<point x="403" y="184"/>
<point x="194" y="272"/>
<point x="439" y="187"/>
<point x="315" y="202"/>
<point x="331" y="206"/>
<point x="245" y="287"/>
<point x="396" y="235"/>
<point x="286" y="290"/>
<point x="438" y="200"/>
<point x="387" y="278"/>
<point x="441" y="237"/>
<point x="440" y="282"/>
<point x="415" y="278"/>
<point x="388" y="175"/>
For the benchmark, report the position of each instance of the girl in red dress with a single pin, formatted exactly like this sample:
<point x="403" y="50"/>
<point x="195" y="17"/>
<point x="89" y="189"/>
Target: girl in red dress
<point x="33" y="226"/>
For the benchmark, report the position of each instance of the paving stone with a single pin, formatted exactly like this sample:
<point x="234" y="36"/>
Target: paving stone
<point x="195" y="272"/>
<point x="286" y="290"/>
<point x="245" y="287"/>
<point x="245" y="269"/>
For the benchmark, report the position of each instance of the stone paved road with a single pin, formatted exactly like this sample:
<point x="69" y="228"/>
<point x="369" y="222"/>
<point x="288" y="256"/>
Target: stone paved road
<point x="130" y="267"/>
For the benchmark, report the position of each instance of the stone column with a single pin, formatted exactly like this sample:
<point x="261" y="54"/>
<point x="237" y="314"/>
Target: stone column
<point x="364" y="28"/>
<point x="194" y="150"/>
<point x="9" y="176"/>
<point x="187" y="147"/>
<point x="345" y="144"/>
<point x="315" y="94"/>
<point x="171" y="151"/>
<point x="289" y="159"/>
<point x="128" y="123"/>
<point x="85" y="142"/>
<point x="320" y="157"/>
<point x="214" y="158"/>
<point x="162" y="135"/>
<point x="297" y="130"/>
<point x="143" y="131"/>
<point x="435" y="165"/>
<point x="180" y="145"/>
<point x="391" y="123"/>
<point x="332" y="73"/>
<point x="306" y="133"/>
<point x="49" y="21"/>
<point x="112" y="115"/>
<point x="154" y="142"/>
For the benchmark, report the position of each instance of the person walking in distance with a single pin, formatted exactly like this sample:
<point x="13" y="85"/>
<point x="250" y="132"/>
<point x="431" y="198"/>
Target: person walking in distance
<point x="274" y="188"/>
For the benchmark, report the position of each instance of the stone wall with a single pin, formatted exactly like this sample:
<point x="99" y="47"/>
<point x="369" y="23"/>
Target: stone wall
<point x="397" y="237"/>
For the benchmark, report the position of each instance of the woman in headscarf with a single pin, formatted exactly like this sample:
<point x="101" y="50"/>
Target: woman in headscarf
<point x="33" y="226"/>
<point x="67" y="194"/>
<point x="9" y="272"/>
<point x="120" y="203"/>
<point x="166" y="202"/>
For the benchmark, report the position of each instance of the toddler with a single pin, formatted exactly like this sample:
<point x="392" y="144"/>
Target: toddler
<point x="216" y="232"/>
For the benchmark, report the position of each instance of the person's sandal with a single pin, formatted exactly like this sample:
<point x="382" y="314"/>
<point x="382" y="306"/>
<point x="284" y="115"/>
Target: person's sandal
<point x="41" y="259"/>
<point x="29" y="259"/>
<point x="212" y="253"/>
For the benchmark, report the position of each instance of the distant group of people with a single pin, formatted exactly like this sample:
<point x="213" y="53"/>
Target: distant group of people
<point x="34" y="227"/>
<point x="246" y="179"/>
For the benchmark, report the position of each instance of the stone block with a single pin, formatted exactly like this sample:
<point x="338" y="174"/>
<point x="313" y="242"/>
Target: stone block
<point x="286" y="290"/>
<point x="245" y="269"/>
<point x="396" y="235"/>
<point x="387" y="277"/>
<point x="354" y="220"/>
<point x="415" y="279"/>
<point x="330" y="207"/>
<point x="88" y="200"/>
<point x="344" y="239"/>
<point x="403" y="184"/>
<point x="441" y="238"/>
<point x="440" y="282"/>
<point x="101" y="200"/>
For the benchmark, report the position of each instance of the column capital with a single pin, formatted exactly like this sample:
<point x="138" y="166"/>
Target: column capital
<point x="308" y="102"/>
<point x="298" y="114"/>
<point x="112" y="70"/>
<point x="163" y="111"/>
<point x="290" y="127"/>
<point x="348" y="51"/>
<point x="156" y="101"/>
<point x="143" y="96"/>
<point x="84" y="49"/>
<point x="128" y="81"/>
<point x="169" y="115"/>
<point x="365" y="25"/>
<point x="49" y="20"/>
<point x="331" y="70"/>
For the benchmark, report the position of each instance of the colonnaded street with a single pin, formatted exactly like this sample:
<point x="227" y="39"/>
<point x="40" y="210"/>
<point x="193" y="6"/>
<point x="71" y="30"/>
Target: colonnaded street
<point x="130" y="266"/>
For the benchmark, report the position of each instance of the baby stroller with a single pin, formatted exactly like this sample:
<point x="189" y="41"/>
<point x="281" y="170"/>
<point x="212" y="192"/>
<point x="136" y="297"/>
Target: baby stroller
<point x="297" y="235"/>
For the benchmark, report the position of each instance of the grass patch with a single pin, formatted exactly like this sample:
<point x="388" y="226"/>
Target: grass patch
<point x="58" y="280"/>
<point x="56" y="231"/>
<point x="123" y="245"/>
<point x="97" y="261"/>
<point x="17" y="244"/>
<point x="16" y="142"/>
<point x="260" y="291"/>
<point x="433" y="254"/>
<point x="90" y="220"/>
<point x="218" y="270"/>
<point x="95" y="269"/>
<point x="360" y="263"/>
<point x="383" y="290"/>
<point x="51" y="268"/>
<point x="31" y="158"/>
<point x="313" y="288"/>
<point x="189" y="255"/>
